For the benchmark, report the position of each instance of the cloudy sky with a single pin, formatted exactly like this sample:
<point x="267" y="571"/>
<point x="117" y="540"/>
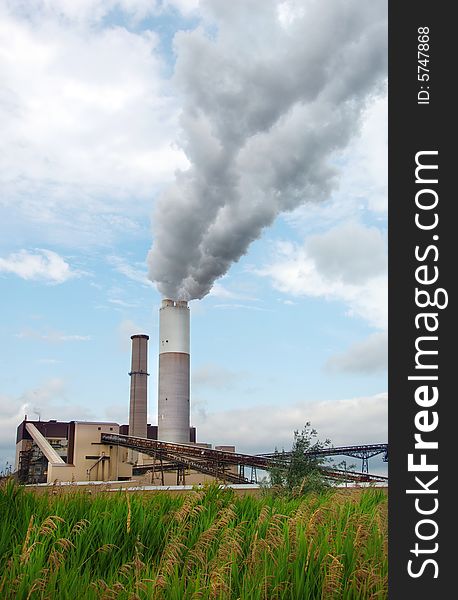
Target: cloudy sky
<point x="229" y="153"/>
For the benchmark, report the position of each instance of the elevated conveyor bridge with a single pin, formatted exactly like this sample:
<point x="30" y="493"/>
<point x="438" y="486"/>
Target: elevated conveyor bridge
<point x="235" y="467"/>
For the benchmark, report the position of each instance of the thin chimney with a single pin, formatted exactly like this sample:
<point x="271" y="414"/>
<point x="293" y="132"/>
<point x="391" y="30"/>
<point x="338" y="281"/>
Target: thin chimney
<point x="139" y="386"/>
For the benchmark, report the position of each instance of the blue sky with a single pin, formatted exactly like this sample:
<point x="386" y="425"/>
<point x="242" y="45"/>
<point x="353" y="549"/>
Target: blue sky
<point x="95" y="113"/>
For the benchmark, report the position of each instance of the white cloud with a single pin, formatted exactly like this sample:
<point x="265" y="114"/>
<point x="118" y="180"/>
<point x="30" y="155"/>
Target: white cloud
<point x="135" y="9"/>
<point x="367" y="356"/>
<point x="186" y="7"/>
<point x="122" y="303"/>
<point x="368" y="176"/>
<point x="289" y="11"/>
<point x="363" y="183"/>
<point x="346" y="264"/>
<point x="220" y="291"/>
<point x="261" y="428"/>
<point x="88" y="121"/>
<point x="41" y="265"/>
<point x="133" y="272"/>
<point x="94" y="11"/>
<point x="84" y="11"/>
<point x="351" y="253"/>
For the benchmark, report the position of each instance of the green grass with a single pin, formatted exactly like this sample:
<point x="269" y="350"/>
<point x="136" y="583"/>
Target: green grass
<point x="209" y="543"/>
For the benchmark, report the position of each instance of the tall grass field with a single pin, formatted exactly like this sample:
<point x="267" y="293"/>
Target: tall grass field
<point x="208" y="543"/>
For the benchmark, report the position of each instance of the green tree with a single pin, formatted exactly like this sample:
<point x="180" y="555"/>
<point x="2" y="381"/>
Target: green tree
<point x="299" y="471"/>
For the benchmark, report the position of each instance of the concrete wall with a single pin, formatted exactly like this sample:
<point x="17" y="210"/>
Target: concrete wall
<point x="91" y="461"/>
<point x="87" y="450"/>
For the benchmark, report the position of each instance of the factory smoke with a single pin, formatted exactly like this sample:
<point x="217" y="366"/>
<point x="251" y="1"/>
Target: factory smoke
<point x="263" y="112"/>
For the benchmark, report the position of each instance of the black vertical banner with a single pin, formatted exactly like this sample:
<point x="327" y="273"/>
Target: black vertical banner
<point x="423" y="245"/>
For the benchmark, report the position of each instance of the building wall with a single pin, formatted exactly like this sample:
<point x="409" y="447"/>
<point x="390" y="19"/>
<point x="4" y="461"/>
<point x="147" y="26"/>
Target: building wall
<point x="87" y="450"/>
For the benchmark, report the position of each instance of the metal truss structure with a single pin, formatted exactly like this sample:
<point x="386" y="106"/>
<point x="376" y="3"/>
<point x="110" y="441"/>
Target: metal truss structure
<point x="234" y="466"/>
<point x="364" y="452"/>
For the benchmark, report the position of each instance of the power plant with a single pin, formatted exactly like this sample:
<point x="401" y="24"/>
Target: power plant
<point x="165" y="454"/>
<point x="48" y="451"/>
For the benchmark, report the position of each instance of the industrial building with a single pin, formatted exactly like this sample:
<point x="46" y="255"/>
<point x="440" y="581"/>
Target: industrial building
<point x="163" y="454"/>
<point x="50" y="451"/>
<point x="80" y="455"/>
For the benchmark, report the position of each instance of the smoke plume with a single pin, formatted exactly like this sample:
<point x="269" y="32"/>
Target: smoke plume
<point x="270" y="90"/>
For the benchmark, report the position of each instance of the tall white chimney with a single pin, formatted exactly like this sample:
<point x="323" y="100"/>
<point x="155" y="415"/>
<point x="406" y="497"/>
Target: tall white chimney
<point x="174" y="372"/>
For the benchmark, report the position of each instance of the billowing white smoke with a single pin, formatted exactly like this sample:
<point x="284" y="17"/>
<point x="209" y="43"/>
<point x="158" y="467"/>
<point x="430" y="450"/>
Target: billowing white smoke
<point x="270" y="91"/>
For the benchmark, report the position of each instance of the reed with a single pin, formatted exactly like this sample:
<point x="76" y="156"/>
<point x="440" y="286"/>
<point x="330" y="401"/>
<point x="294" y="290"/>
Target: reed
<point x="208" y="544"/>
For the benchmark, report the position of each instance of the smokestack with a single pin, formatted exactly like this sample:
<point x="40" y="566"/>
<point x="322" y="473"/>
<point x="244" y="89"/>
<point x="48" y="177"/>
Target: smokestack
<point x="173" y="394"/>
<point x="138" y="386"/>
